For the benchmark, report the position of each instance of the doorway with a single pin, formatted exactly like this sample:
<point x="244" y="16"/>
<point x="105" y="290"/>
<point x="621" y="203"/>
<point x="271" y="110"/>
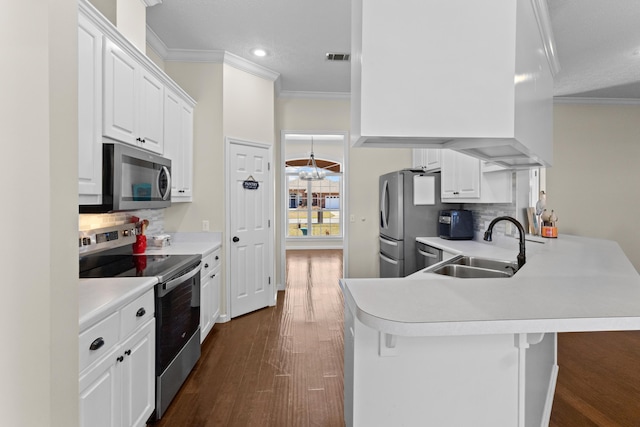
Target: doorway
<point x="249" y="192"/>
<point x="313" y="205"/>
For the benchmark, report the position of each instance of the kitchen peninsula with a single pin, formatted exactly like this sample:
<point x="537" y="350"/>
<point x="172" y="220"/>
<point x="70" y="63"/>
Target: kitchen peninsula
<point x="436" y="350"/>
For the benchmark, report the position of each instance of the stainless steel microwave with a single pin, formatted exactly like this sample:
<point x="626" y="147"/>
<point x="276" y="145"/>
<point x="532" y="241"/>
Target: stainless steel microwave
<point x="132" y="179"/>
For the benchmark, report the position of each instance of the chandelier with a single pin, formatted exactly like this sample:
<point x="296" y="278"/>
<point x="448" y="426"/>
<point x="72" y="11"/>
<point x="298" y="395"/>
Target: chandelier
<point x="314" y="174"/>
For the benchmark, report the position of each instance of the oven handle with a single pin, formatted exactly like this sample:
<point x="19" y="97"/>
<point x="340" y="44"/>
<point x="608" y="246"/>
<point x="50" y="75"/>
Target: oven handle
<point x="168" y="286"/>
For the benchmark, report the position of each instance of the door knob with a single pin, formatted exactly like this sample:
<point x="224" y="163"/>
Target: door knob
<point x="235" y="239"/>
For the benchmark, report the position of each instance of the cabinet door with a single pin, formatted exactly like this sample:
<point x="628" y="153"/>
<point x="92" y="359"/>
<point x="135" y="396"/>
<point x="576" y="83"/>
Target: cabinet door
<point x="100" y="393"/>
<point x="448" y="180"/>
<point x="433" y="159"/>
<point x="205" y="307"/>
<point x="178" y="145"/>
<point x="90" y="41"/>
<point x="186" y="120"/>
<point x="215" y="297"/>
<point x="418" y="157"/>
<point x="460" y="177"/>
<point x="120" y="103"/>
<point x="150" y="112"/>
<point x="468" y="176"/>
<point x="138" y="376"/>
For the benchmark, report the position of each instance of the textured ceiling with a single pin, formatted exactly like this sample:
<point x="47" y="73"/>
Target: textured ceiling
<point x="598" y="41"/>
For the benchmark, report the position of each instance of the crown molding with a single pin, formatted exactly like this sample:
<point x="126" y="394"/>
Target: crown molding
<point x="149" y="3"/>
<point x="543" y="19"/>
<point x="314" y="95"/>
<point x="250" y="67"/>
<point x="214" y="56"/>
<point x="595" y="101"/>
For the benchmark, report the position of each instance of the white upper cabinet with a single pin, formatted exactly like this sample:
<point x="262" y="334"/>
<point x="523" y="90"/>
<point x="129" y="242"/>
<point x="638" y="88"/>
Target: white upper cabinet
<point x="178" y="133"/>
<point x="460" y="176"/>
<point x="133" y="101"/>
<point x="456" y="74"/>
<point x="90" y="41"/>
<point x="427" y="159"/>
<point x="465" y="179"/>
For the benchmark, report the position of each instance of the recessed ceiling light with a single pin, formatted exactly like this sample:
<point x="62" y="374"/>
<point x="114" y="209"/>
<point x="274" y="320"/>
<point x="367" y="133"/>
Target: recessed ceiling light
<point x="259" y="52"/>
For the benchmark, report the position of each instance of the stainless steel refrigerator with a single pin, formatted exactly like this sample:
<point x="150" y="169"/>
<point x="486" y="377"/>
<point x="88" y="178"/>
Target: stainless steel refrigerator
<point x="409" y="207"/>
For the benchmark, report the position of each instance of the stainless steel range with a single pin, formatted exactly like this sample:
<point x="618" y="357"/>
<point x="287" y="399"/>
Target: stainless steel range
<point x="108" y="252"/>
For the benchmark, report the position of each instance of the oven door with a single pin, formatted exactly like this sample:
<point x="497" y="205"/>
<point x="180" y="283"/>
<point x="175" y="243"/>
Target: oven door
<point x="177" y="315"/>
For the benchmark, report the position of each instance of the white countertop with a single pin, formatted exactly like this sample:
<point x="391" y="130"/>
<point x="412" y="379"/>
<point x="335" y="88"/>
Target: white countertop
<point x="568" y="284"/>
<point x="97" y="298"/>
<point x="100" y="297"/>
<point x="189" y="243"/>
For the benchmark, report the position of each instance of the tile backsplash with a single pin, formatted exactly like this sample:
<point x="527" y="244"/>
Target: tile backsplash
<point x="154" y="216"/>
<point x="483" y="213"/>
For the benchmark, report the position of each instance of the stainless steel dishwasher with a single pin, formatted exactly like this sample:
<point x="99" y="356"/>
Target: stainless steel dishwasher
<point x="426" y="255"/>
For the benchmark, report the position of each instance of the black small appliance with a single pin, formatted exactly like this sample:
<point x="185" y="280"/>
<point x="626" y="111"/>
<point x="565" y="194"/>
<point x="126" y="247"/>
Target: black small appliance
<point x="455" y="224"/>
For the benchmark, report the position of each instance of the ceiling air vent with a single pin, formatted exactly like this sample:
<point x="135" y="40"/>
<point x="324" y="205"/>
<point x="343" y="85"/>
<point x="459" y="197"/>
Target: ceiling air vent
<point x="337" y="56"/>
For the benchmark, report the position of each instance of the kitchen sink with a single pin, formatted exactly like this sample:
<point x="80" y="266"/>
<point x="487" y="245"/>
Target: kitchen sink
<point x="468" y="267"/>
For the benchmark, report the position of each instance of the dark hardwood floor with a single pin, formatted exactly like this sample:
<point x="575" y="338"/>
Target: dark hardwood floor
<point x="279" y="366"/>
<point x="283" y="366"/>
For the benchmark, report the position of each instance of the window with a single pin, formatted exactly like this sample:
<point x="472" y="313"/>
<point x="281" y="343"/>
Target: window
<point x="314" y="206"/>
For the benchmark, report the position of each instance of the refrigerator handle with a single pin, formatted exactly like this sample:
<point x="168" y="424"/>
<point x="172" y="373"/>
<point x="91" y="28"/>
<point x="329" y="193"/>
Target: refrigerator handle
<point x="384" y="220"/>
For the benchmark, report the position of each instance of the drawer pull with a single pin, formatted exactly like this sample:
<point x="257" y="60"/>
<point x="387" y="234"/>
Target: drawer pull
<point x="213" y="275"/>
<point x="217" y="257"/>
<point x="141" y="312"/>
<point x="120" y="358"/>
<point x="206" y="266"/>
<point x="128" y="352"/>
<point x="96" y="344"/>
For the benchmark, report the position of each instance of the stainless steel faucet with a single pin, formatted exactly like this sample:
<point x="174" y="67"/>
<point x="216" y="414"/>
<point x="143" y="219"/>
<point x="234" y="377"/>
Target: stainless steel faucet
<point x="487" y="236"/>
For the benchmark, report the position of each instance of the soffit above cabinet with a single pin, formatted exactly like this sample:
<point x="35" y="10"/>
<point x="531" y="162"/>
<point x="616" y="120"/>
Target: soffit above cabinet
<point x="470" y="76"/>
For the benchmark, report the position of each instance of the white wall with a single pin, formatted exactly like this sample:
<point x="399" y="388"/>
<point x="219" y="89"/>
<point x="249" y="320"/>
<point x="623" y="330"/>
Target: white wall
<point x="364" y="167"/>
<point x="593" y="184"/>
<point x="38" y="308"/>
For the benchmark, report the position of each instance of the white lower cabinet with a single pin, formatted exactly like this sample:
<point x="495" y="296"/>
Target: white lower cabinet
<point x="209" y="292"/>
<point x="118" y="387"/>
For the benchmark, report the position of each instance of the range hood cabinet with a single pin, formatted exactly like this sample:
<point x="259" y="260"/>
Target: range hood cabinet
<point x="476" y="77"/>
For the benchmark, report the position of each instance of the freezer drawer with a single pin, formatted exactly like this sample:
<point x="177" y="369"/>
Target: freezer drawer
<point x="392" y="248"/>
<point x="390" y="267"/>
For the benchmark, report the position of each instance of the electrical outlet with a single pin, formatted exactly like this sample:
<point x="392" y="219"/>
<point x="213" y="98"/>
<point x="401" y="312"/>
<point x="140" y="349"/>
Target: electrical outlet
<point x="205" y="225"/>
<point x="508" y="228"/>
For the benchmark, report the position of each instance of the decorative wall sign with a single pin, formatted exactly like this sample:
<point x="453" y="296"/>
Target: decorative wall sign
<point x="250" y="184"/>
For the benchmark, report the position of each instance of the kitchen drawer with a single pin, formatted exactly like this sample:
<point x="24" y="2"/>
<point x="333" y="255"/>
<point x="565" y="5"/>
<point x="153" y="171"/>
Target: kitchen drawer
<point x="137" y="313"/>
<point x="391" y="248"/>
<point x="210" y="263"/>
<point x="102" y="336"/>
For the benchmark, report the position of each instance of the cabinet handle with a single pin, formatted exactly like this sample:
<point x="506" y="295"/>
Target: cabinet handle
<point x="206" y="266"/>
<point x="180" y="191"/>
<point x="141" y="312"/>
<point x="143" y="140"/>
<point x="213" y="275"/>
<point x="217" y="257"/>
<point x="97" y="343"/>
<point x="120" y="358"/>
<point x="128" y="352"/>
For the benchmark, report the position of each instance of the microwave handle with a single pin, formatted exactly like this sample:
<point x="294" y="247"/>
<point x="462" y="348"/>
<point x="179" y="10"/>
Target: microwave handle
<point x="167" y="192"/>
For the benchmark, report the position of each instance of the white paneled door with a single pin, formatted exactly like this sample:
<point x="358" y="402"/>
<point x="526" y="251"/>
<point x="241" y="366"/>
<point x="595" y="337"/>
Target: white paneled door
<point x="250" y="193"/>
